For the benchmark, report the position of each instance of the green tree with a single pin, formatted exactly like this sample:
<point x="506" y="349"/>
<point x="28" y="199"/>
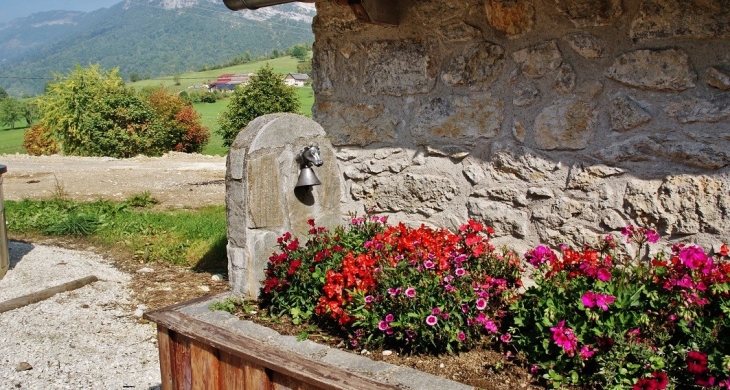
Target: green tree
<point x="305" y="67"/>
<point x="299" y="52"/>
<point x="176" y="79"/>
<point x="11" y="111"/>
<point x="265" y="93"/>
<point x="134" y="77"/>
<point x="3" y="93"/>
<point x="30" y="112"/>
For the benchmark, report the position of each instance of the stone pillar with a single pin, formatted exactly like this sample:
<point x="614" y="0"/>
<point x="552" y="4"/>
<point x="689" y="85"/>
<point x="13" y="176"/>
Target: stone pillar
<point x="261" y="201"/>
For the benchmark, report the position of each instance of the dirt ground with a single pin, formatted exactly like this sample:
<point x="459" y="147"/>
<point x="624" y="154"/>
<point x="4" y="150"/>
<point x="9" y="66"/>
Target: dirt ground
<point x="177" y="180"/>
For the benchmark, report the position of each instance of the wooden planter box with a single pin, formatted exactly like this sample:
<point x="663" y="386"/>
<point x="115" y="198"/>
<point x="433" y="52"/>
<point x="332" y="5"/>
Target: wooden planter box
<point x="201" y="349"/>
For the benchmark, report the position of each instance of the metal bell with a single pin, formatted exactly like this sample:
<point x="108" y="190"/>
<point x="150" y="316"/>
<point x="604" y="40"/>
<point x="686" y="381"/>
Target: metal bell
<point x="307" y="178"/>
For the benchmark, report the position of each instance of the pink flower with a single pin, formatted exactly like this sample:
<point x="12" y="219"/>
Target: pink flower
<point x="565" y="338"/>
<point x="693" y="257"/>
<point x="652" y="236"/>
<point x="481" y="304"/>
<point x="428" y="264"/>
<point x="591" y="299"/>
<point x="431" y="320"/>
<point x="604" y="274"/>
<point x="389" y="318"/>
<point x="461" y="336"/>
<point x="586" y="352"/>
<point x="436" y="311"/>
<point x="459" y="272"/>
<point x="369" y="299"/>
<point x="411" y="292"/>
<point x="505" y="337"/>
<point x="540" y="255"/>
<point x="393" y="291"/>
<point x="490" y="326"/>
<point x="382" y="325"/>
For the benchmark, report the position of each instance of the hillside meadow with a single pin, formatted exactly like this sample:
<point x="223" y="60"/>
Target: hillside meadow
<point x="11" y="141"/>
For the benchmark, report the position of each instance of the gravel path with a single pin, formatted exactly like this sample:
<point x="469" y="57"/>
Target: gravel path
<point x="82" y="339"/>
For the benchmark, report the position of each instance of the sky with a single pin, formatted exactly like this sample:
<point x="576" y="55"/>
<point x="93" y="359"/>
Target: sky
<point x="11" y="9"/>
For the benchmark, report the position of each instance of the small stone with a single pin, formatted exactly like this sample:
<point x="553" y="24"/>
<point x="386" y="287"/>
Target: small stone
<point x="658" y="70"/>
<point x="145" y="270"/>
<point x="718" y="79"/>
<point x="364" y="352"/>
<point x="441" y="365"/>
<point x="23" y="366"/>
<point x="387" y="353"/>
<point x="587" y="45"/>
<point x="216" y="277"/>
<point x="204" y="288"/>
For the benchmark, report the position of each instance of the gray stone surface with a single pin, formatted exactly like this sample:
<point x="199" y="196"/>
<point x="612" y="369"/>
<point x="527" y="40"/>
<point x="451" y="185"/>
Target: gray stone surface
<point x="356" y="124"/>
<point x="626" y="113"/>
<point x="665" y="19"/>
<point x="458" y="119"/>
<point x="718" y="79"/>
<point x="700" y="110"/>
<point x="537" y="61"/>
<point x="587" y="45"/>
<point x="525" y="94"/>
<point x="591" y="13"/>
<point x="476" y="65"/>
<point x="504" y="219"/>
<point x="660" y="70"/>
<point x="399" y="67"/>
<point x="568" y="125"/>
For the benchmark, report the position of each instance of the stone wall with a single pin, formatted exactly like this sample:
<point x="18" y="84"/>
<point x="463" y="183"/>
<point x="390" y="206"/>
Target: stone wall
<point x="551" y="120"/>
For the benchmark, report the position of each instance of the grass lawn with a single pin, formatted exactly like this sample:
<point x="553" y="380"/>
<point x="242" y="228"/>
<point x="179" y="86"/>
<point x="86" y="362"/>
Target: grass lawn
<point x="282" y="65"/>
<point x="11" y="141"/>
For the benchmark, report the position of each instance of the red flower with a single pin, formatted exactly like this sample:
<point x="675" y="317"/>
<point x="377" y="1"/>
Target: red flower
<point x="724" y="250"/>
<point x="646" y="384"/>
<point x="704" y="380"/>
<point x="696" y="362"/>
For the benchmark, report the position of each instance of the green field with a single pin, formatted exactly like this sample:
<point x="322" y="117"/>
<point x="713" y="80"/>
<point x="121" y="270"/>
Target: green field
<point x="11" y="141"/>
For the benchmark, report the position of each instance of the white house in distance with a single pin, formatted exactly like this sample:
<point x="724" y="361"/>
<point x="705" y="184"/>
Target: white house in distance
<point x="296" y="79"/>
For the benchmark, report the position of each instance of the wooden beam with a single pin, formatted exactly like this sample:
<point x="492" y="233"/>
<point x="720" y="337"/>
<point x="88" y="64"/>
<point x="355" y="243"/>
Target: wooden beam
<point x="36" y="297"/>
<point x="301" y="368"/>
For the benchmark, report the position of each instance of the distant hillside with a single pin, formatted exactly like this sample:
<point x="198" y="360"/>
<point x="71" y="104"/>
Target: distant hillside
<point x="147" y="37"/>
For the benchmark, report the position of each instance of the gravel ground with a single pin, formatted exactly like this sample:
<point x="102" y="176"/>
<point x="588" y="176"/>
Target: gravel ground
<point x="86" y="338"/>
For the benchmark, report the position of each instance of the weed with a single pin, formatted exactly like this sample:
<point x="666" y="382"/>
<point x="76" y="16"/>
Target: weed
<point x="142" y="200"/>
<point x="59" y="190"/>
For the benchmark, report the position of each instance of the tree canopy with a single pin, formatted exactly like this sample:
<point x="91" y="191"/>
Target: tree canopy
<point x="90" y="112"/>
<point x="265" y="93"/>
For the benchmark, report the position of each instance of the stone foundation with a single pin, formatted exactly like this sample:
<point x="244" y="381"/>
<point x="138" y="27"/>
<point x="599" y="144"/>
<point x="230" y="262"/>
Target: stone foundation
<point x="553" y="121"/>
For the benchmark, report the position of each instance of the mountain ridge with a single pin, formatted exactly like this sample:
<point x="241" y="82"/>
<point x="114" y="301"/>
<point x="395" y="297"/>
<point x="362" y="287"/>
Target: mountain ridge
<point x="147" y="37"/>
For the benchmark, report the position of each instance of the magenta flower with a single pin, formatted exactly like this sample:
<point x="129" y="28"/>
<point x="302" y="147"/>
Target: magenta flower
<point x="431" y="320"/>
<point x="693" y="257"/>
<point x="481" y="304"/>
<point x="565" y="338"/>
<point x="459" y="272"/>
<point x="369" y="299"/>
<point x="393" y="291"/>
<point x="411" y="292"/>
<point x="652" y="236"/>
<point x="586" y="352"/>
<point x="603" y="274"/>
<point x="436" y="311"/>
<point x="490" y="326"/>
<point x="540" y="255"/>
<point x="382" y="325"/>
<point x="461" y="336"/>
<point x="428" y="264"/>
<point x="505" y="337"/>
<point x="389" y="318"/>
<point x="591" y="299"/>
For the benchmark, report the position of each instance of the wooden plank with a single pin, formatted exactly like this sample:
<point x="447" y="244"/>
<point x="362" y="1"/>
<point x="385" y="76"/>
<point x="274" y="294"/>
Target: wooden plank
<point x="255" y="376"/>
<point x="36" y="297"/>
<point x="204" y="366"/>
<point x="321" y="375"/>
<point x="181" y="370"/>
<point x="280" y="381"/>
<point x="231" y="372"/>
<point x="163" y="344"/>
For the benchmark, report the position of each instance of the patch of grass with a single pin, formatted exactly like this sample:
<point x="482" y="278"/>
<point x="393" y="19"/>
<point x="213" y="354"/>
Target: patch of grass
<point x="11" y="141"/>
<point x="183" y="237"/>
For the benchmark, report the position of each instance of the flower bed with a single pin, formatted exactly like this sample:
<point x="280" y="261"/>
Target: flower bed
<point x="596" y="317"/>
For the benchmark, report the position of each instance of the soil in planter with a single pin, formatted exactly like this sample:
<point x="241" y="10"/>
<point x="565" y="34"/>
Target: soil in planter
<point x="483" y="368"/>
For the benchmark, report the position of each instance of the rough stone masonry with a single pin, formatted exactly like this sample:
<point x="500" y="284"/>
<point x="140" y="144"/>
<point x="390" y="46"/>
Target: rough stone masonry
<point x="554" y="121"/>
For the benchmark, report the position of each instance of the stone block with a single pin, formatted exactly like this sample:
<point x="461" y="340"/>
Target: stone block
<point x="512" y="17"/>
<point x="591" y="13"/>
<point x="356" y="124"/>
<point x="626" y="113"/>
<point x="666" y="19"/>
<point x="412" y="193"/>
<point x="587" y="45"/>
<point x="264" y="196"/>
<point x="718" y="79"/>
<point x="658" y="70"/>
<point x="700" y="110"/>
<point x="399" y="67"/>
<point x="537" y="61"/>
<point x="525" y="93"/>
<point x="564" y="79"/>
<point x="476" y="65"/>
<point x="567" y="125"/>
<point x="504" y="219"/>
<point x="458" y="119"/>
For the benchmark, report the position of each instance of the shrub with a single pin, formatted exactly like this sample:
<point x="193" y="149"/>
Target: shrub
<point x="39" y="141"/>
<point x="601" y="318"/>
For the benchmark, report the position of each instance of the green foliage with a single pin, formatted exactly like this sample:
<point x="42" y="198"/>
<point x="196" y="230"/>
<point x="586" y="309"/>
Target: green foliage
<point x="178" y="237"/>
<point x="134" y="77"/>
<point x="142" y="200"/>
<point x="305" y="67"/>
<point x="11" y="111"/>
<point x="266" y="93"/>
<point x="3" y="93"/>
<point x="230" y="305"/>
<point x="299" y="52"/>
<point x="39" y="141"/>
<point x="91" y="113"/>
